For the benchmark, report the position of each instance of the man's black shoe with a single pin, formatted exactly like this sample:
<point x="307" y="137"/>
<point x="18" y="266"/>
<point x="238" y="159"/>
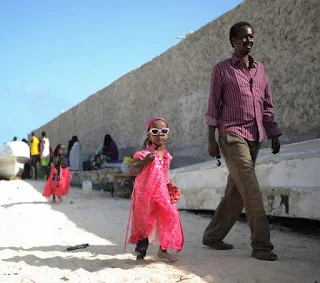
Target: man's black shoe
<point x="220" y="245"/>
<point x="264" y="255"/>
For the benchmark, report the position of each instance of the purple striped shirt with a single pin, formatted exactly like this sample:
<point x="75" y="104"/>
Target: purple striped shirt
<point x="240" y="100"/>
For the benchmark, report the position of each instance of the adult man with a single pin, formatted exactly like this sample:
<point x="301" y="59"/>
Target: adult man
<point x="240" y="106"/>
<point x="35" y="153"/>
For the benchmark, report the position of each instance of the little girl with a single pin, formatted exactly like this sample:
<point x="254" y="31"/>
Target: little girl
<point x="58" y="183"/>
<point x="155" y="216"/>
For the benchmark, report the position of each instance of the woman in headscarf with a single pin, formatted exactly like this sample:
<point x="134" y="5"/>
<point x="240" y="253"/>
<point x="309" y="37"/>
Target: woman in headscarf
<point x="108" y="152"/>
<point x="75" y="155"/>
<point x="110" y="149"/>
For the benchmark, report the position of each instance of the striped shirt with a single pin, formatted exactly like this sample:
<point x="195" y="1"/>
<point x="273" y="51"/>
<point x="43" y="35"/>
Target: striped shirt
<point x="240" y="100"/>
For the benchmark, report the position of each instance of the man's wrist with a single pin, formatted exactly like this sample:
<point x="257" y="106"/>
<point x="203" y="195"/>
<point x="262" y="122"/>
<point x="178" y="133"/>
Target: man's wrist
<point x="212" y="134"/>
<point x="276" y="137"/>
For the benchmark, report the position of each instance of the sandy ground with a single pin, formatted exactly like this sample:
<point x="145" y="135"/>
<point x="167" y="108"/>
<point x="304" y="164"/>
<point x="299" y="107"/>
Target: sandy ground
<point x="35" y="234"/>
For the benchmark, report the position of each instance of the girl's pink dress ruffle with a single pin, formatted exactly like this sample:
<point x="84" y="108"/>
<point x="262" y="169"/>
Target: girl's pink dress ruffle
<point x="58" y="188"/>
<point x="151" y="206"/>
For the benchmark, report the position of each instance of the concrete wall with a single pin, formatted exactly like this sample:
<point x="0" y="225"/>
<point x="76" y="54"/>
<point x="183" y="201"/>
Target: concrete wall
<point x="176" y="83"/>
<point x="289" y="182"/>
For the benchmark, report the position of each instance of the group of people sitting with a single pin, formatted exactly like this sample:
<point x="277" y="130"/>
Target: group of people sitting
<point x="62" y="163"/>
<point x="41" y="153"/>
<point x="106" y="153"/>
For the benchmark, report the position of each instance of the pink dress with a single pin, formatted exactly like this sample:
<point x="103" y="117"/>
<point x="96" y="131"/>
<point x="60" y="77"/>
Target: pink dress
<point x="153" y="215"/>
<point x="58" y="188"/>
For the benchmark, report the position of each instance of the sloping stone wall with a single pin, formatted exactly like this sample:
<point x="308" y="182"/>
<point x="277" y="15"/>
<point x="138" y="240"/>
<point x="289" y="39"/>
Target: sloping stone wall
<point x="176" y="84"/>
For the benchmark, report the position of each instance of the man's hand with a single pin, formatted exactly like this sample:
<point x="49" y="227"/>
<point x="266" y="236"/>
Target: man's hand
<point x="213" y="149"/>
<point x="275" y="145"/>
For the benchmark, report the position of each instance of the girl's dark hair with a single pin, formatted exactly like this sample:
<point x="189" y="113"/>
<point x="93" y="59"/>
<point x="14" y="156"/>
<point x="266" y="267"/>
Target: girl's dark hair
<point x="55" y="153"/>
<point x="146" y="142"/>
<point x="236" y="28"/>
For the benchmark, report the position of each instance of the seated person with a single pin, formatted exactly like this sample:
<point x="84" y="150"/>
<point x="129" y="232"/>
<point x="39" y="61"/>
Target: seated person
<point x="107" y="153"/>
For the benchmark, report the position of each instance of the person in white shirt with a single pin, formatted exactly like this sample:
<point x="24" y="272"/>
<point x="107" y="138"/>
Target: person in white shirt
<point x="45" y="154"/>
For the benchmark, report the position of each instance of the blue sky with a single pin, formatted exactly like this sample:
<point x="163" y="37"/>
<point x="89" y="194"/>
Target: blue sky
<point x="56" y="53"/>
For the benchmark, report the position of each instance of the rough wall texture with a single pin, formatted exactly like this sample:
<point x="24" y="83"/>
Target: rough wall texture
<point x="176" y="83"/>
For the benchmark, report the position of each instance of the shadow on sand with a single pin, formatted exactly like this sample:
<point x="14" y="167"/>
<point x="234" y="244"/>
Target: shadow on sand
<point x="109" y="222"/>
<point x="95" y="258"/>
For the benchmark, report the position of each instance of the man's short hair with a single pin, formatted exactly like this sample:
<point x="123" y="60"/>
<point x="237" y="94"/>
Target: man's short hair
<point x="43" y="134"/>
<point x="235" y="30"/>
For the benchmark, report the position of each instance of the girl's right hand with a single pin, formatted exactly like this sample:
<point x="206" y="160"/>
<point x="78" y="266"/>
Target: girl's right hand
<point x="149" y="157"/>
<point x="140" y="164"/>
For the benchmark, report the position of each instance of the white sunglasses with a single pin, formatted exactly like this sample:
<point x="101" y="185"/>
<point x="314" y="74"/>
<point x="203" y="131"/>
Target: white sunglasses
<point x="155" y="131"/>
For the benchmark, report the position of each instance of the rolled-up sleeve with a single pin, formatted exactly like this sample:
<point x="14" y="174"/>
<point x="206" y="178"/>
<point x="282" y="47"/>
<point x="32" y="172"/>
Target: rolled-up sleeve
<point x="269" y="123"/>
<point x="214" y="97"/>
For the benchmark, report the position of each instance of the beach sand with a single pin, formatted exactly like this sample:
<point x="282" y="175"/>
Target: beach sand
<point x="36" y="233"/>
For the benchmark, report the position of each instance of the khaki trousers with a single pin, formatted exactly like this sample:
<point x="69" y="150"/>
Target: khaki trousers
<point x="242" y="191"/>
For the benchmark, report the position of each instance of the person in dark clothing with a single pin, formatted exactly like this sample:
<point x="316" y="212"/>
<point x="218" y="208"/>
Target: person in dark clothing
<point x="110" y="149"/>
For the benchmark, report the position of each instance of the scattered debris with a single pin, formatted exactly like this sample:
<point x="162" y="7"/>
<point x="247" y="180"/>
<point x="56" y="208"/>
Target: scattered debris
<point x="83" y="246"/>
<point x="183" y="278"/>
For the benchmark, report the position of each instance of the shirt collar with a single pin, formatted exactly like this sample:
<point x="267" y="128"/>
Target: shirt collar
<point x="235" y="59"/>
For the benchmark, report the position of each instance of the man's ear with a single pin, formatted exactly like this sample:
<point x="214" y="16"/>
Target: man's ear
<point x="233" y="41"/>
